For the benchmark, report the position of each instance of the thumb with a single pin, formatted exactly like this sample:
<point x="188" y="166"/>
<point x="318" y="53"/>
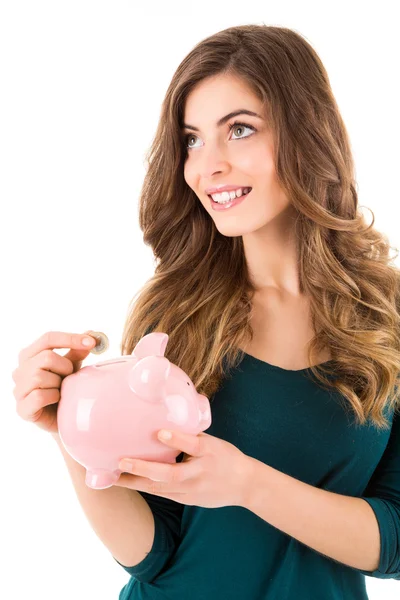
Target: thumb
<point x="78" y="355"/>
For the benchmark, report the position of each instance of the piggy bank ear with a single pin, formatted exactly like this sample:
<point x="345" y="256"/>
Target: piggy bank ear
<point x="152" y="344"/>
<point x="148" y="378"/>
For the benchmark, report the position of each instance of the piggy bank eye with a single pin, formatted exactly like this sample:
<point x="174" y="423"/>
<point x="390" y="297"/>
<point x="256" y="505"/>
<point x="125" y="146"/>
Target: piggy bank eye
<point x="188" y="383"/>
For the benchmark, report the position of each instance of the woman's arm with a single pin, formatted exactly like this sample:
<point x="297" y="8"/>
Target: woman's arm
<point x="119" y="516"/>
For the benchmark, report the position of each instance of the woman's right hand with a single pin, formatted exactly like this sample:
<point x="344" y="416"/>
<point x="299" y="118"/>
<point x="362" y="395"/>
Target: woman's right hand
<point x="40" y="372"/>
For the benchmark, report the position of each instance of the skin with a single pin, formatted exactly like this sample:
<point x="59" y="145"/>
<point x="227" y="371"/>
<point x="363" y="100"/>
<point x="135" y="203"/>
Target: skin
<point x="217" y="155"/>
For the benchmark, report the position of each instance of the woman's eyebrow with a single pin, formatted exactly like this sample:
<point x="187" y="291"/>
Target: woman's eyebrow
<point x="240" y="111"/>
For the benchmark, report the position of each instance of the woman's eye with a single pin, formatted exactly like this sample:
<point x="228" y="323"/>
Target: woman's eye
<point x="241" y="126"/>
<point x="233" y="126"/>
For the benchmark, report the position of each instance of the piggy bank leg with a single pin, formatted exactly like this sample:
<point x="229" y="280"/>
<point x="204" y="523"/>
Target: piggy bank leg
<point x="99" y="479"/>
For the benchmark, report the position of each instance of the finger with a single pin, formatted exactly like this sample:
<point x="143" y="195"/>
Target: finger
<point x="41" y="371"/>
<point x="32" y="405"/>
<point x="141" y="484"/>
<point x="168" y="473"/>
<point x="151" y="470"/>
<point x="195" y="445"/>
<point x="48" y="360"/>
<point x="52" y="340"/>
<point x="40" y="380"/>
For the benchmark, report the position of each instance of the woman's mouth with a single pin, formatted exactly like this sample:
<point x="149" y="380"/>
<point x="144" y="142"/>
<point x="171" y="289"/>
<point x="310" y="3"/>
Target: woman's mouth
<point x="230" y="203"/>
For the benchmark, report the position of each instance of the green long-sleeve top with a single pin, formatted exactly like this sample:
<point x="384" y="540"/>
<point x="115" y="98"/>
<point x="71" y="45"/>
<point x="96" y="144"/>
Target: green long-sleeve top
<point x="286" y="420"/>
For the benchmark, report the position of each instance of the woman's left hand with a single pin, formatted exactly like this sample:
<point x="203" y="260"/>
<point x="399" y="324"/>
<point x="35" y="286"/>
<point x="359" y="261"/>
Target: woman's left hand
<point x="213" y="473"/>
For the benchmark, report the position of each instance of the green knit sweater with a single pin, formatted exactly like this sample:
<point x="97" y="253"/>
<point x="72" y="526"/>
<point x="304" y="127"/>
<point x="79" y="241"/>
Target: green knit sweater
<point x="289" y="422"/>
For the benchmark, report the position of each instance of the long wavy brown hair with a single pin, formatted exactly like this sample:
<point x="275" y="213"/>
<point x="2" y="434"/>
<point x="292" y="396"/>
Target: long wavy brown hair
<point x="201" y="293"/>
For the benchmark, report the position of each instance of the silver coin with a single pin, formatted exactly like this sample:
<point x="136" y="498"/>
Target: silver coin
<point x="102" y="341"/>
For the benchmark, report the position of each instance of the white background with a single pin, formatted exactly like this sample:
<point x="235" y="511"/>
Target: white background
<point x="82" y="84"/>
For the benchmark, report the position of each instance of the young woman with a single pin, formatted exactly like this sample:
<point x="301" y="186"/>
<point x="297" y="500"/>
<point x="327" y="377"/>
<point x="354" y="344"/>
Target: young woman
<point x="282" y="305"/>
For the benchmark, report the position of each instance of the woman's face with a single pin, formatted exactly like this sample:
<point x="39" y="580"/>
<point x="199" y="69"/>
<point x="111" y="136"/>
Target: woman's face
<point x="241" y="156"/>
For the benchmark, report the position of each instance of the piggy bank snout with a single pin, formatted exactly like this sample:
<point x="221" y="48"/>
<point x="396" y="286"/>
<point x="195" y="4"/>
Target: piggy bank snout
<point x="204" y="411"/>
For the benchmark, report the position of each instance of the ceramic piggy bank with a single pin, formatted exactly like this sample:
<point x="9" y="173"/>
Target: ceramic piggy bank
<point x="114" y="409"/>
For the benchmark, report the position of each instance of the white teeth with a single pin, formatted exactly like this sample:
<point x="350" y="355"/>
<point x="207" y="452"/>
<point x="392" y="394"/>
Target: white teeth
<point x="225" y="197"/>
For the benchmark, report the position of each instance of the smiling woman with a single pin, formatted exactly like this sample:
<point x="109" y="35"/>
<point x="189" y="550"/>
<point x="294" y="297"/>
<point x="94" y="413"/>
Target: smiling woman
<point x="282" y="305"/>
<point x="255" y="114"/>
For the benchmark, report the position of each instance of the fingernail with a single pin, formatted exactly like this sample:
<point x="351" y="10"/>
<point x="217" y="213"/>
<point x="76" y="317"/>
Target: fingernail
<point x="87" y="341"/>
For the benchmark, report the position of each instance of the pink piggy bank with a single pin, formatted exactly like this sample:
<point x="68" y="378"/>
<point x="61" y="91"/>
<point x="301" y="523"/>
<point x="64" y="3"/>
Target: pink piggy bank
<point x="114" y="409"/>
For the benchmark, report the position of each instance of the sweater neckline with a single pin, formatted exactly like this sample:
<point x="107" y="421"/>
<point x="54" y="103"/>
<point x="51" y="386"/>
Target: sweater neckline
<point x="278" y="369"/>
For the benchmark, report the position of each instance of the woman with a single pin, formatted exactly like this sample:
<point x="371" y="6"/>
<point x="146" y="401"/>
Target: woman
<point x="281" y="304"/>
<point x="294" y="264"/>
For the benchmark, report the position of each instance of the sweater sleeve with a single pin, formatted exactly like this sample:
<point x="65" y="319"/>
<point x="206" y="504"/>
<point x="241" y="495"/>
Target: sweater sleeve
<point x="167" y="519"/>
<point x="383" y="495"/>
